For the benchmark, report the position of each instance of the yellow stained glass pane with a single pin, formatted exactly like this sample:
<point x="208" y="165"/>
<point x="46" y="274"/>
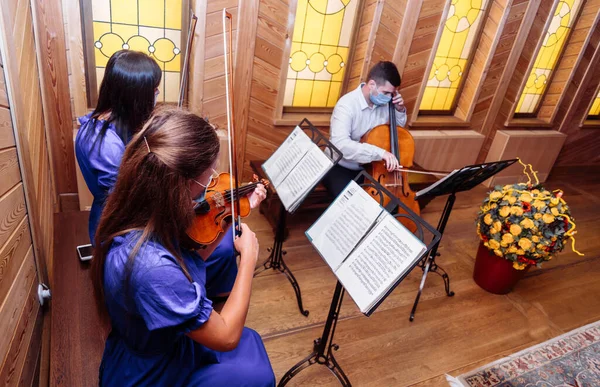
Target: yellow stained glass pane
<point x="595" y="109"/>
<point x="149" y="26"/>
<point x="452" y="54"/>
<point x="319" y="52"/>
<point x="547" y="57"/>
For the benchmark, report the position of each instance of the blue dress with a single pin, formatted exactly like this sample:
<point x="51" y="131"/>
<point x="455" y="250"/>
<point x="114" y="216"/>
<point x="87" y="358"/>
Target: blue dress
<point x="152" y="308"/>
<point x="99" y="162"/>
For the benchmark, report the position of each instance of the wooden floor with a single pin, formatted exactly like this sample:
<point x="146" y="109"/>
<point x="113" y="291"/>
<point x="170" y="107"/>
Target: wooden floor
<point x="449" y="335"/>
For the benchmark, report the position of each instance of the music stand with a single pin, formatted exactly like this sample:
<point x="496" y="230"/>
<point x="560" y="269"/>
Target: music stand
<point x="323" y="347"/>
<point x="275" y="260"/>
<point x="459" y="181"/>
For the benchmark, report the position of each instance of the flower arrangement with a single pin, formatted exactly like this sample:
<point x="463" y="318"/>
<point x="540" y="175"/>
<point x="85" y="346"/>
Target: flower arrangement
<point x="525" y="223"/>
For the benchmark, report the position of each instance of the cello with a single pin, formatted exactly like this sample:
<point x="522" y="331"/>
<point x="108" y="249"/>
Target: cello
<point x="401" y="144"/>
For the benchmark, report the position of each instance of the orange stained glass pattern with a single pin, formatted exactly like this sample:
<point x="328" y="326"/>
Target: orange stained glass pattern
<point x="320" y="44"/>
<point x="547" y="57"/>
<point x="452" y="55"/>
<point x="149" y="26"/>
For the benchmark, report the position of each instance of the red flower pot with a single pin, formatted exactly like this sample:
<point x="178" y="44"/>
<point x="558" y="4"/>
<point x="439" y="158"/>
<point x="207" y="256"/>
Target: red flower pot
<point x="494" y="274"/>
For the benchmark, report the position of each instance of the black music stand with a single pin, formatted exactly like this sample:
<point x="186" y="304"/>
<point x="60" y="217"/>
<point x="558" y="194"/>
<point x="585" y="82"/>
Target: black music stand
<point x="275" y="260"/>
<point x="461" y="180"/>
<point x="323" y="347"/>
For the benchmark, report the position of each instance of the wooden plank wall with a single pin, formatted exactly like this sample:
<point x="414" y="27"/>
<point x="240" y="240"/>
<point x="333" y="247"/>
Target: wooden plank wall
<point x="20" y="314"/>
<point x="405" y="31"/>
<point x="54" y="76"/>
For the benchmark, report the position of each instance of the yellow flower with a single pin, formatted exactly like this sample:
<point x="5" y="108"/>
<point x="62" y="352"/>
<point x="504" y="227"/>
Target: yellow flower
<point x="538" y="204"/>
<point x="494" y="244"/>
<point x="512" y="200"/>
<point x="505" y="211"/>
<point x="516" y="210"/>
<point x="554" y="202"/>
<point x="486" y="244"/>
<point x="485" y="208"/>
<point x="554" y="211"/>
<point x="537" y="216"/>
<point x="526" y="197"/>
<point x="547" y="218"/>
<point x="515" y="229"/>
<point x="508" y="238"/>
<point x="512" y="249"/>
<point x="498" y="253"/>
<point x="520" y="252"/>
<point x="494" y="230"/>
<point x="525" y="243"/>
<point x="494" y="205"/>
<point x="535" y="238"/>
<point x="519" y="266"/>
<point x="507" y="187"/>
<point x="488" y="219"/>
<point x="495" y="195"/>
<point x="527" y="223"/>
<point x="540" y="246"/>
<point x="535" y="191"/>
<point x="498" y="225"/>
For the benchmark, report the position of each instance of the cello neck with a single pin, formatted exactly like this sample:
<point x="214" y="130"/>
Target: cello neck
<point x="394" y="146"/>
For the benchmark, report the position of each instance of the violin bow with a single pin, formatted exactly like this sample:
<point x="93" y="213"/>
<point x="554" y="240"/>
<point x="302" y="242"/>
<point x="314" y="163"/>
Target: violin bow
<point x="233" y="169"/>
<point x="186" y="61"/>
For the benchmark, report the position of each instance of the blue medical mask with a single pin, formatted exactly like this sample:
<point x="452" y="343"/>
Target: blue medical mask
<point x="380" y="99"/>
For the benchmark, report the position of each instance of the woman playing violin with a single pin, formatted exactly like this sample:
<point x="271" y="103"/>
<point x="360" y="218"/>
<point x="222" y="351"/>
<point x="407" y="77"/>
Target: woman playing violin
<point x="152" y="286"/>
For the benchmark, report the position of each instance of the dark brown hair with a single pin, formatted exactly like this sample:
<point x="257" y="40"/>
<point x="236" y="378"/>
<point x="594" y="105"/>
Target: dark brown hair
<point x="385" y="71"/>
<point x="152" y="194"/>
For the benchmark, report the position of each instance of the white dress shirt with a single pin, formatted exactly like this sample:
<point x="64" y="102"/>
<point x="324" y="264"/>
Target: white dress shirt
<point x="353" y="117"/>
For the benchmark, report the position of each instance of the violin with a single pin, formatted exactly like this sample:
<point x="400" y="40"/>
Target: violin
<point x="401" y="144"/>
<point x="224" y="201"/>
<point x="213" y="212"/>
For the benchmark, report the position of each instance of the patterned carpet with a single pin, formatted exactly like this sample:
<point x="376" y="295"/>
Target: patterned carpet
<point x="570" y="360"/>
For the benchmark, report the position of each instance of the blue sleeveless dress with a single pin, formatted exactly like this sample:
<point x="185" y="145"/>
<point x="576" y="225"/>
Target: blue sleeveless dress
<point x="99" y="162"/>
<point x="150" y="314"/>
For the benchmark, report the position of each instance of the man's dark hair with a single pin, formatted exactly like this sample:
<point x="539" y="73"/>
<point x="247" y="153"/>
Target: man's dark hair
<point x="385" y="71"/>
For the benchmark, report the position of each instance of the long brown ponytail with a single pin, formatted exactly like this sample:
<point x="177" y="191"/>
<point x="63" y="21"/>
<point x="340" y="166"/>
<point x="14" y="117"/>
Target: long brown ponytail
<point x="152" y="193"/>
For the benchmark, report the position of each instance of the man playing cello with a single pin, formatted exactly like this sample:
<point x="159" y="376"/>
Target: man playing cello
<point x="355" y="114"/>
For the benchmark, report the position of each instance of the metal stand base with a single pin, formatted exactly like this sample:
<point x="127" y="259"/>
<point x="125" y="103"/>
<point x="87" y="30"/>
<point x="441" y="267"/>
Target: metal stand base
<point x="323" y="347"/>
<point x="275" y="260"/>
<point x="428" y="264"/>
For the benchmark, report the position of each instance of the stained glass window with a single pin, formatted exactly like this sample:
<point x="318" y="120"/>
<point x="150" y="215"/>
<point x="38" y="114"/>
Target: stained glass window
<point x="547" y="57"/>
<point x="594" y="112"/>
<point x="149" y="26"/>
<point x="452" y="55"/>
<point x="320" y="44"/>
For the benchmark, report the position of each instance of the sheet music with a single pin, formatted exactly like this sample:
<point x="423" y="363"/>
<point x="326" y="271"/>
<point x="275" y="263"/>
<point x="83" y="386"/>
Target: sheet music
<point x="307" y="172"/>
<point x="382" y="257"/>
<point x="337" y="232"/>
<point x="285" y="158"/>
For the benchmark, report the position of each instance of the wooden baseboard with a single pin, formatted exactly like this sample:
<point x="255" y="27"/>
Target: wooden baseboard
<point x="68" y="202"/>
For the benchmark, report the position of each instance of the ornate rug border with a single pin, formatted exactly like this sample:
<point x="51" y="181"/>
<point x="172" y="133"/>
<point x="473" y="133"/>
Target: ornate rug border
<point x="461" y="378"/>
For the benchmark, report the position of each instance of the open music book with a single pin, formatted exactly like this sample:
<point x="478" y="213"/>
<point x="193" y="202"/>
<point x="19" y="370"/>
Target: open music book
<point x="365" y="246"/>
<point x="296" y="167"/>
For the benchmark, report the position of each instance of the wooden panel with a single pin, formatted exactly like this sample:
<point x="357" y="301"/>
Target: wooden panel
<point x="9" y="169"/>
<point x="12" y="212"/>
<point x="445" y="150"/>
<point x="3" y="95"/>
<point x="76" y="63"/>
<point x="7" y="137"/>
<point x="27" y="332"/>
<point x="22" y="281"/>
<point x="50" y="40"/>
<point x="509" y="144"/>
<point x="26" y="103"/>
<point x="214" y="21"/>
<point x="197" y="59"/>
<point x="12" y="255"/>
